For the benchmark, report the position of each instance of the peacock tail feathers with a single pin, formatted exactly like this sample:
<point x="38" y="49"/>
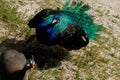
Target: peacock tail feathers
<point x="85" y="21"/>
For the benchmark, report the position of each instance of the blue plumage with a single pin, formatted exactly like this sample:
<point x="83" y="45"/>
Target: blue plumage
<point x="69" y="27"/>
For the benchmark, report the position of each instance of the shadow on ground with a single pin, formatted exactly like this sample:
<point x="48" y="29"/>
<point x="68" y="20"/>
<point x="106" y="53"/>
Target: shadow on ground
<point x="45" y="56"/>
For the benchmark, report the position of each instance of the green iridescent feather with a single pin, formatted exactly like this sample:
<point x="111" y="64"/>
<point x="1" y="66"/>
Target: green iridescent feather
<point x="82" y="19"/>
<point x="75" y="14"/>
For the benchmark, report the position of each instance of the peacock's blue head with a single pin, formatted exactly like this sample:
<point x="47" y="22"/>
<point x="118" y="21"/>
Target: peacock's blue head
<point x="50" y="20"/>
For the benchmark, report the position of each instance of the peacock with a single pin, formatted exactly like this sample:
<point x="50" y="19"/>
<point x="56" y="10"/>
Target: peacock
<point x="69" y="27"/>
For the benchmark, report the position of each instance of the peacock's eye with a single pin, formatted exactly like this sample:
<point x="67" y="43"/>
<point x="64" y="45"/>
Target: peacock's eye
<point x="56" y="19"/>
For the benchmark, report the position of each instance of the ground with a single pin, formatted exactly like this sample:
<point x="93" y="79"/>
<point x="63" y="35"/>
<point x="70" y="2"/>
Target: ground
<point x="100" y="60"/>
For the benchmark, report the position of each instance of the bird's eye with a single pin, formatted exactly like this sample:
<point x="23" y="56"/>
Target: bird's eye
<point x="55" y="20"/>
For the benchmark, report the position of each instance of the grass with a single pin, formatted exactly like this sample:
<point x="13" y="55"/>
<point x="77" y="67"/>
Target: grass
<point x="14" y="21"/>
<point x="99" y="60"/>
<point x="9" y="14"/>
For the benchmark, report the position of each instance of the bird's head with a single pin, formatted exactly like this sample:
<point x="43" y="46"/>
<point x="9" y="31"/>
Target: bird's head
<point x="44" y="17"/>
<point x="49" y="21"/>
<point x="30" y="63"/>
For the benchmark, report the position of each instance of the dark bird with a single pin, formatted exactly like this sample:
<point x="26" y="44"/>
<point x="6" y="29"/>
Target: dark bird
<point x="69" y="27"/>
<point x="14" y="66"/>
